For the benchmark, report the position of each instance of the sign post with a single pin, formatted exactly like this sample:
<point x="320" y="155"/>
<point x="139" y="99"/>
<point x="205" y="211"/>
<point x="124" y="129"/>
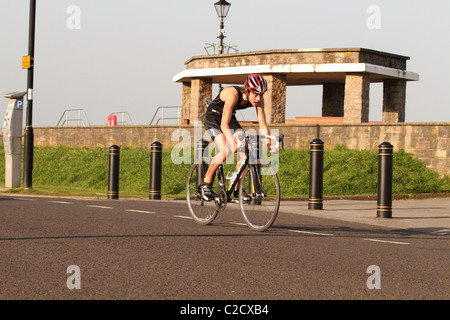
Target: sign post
<point x="28" y="135"/>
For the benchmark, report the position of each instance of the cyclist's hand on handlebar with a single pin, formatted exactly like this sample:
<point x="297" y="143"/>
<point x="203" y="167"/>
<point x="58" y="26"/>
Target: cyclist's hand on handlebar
<point x="274" y="149"/>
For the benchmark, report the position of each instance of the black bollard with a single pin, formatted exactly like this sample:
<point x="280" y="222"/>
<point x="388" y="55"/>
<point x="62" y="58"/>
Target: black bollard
<point x="155" y="171"/>
<point x="201" y="146"/>
<point x="385" y="170"/>
<point x="316" y="175"/>
<point x="113" y="178"/>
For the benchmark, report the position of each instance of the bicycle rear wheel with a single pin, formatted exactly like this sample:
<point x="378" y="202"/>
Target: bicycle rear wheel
<point x="261" y="183"/>
<point x="203" y="212"/>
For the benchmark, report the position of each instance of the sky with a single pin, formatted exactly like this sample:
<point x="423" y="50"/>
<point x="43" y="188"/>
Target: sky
<point x="106" y="56"/>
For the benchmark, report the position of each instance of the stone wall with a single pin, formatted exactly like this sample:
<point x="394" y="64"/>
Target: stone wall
<point x="429" y="142"/>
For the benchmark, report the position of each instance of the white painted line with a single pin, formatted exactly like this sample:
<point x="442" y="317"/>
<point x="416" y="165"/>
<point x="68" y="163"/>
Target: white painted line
<point x="61" y="202"/>
<point x="101" y="207"/>
<point x="183" y="217"/>
<point x="25" y="199"/>
<point x="139" y="211"/>
<point x="239" y="223"/>
<point x="313" y="233"/>
<point x="385" y="241"/>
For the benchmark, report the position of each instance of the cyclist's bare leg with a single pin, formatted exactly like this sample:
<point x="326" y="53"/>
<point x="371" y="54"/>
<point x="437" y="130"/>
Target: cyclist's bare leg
<point x="240" y="153"/>
<point x="219" y="158"/>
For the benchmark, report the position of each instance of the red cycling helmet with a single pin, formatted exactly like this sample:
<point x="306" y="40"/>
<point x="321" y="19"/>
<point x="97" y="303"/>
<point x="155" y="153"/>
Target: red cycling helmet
<point x="256" y="83"/>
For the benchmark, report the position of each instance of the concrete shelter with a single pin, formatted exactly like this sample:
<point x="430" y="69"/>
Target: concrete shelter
<point x="344" y="73"/>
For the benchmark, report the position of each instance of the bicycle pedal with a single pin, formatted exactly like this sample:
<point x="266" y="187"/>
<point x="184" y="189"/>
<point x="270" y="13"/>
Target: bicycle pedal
<point x="197" y="196"/>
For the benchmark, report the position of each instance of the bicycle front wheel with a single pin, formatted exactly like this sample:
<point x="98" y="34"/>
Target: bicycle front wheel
<point x="261" y="183"/>
<point x="203" y="212"/>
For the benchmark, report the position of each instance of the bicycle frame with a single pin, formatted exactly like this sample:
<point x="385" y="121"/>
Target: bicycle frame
<point x="234" y="180"/>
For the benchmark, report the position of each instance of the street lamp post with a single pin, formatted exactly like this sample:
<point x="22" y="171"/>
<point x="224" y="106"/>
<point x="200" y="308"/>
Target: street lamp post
<point x="222" y="8"/>
<point x="28" y="135"/>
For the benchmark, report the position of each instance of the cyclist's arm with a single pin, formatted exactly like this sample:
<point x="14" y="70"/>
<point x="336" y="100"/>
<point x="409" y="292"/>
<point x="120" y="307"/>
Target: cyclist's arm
<point x="264" y="130"/>
<point x="230" y="97"/>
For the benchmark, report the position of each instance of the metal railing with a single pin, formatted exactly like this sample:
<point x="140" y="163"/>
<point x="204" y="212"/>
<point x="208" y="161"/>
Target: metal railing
<point x="162" y="118"/>
<point x="124" y="115"/>
<point x="80" y="118"/>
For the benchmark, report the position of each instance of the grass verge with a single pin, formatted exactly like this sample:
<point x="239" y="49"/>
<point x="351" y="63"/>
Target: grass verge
<point x="63" y="171"/>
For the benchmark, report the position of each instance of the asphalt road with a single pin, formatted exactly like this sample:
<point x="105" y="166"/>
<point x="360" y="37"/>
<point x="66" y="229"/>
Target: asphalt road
<point x="141" y="249"/>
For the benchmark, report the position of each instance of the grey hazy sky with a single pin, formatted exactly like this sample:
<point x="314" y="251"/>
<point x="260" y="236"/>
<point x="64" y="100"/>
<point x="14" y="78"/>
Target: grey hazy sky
<point x="125" y="53"/>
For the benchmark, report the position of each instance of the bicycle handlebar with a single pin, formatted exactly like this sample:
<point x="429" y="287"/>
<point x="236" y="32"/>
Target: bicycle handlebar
<point x="278" y="139"/>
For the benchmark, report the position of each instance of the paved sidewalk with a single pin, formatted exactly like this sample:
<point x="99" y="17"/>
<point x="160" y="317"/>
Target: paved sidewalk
<point x="430" y="215"/>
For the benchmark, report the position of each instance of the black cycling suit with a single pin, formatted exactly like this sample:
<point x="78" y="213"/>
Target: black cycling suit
<point x="213" y="116"/>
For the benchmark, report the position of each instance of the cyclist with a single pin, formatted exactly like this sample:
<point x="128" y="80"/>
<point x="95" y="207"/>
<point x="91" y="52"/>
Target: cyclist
<point x="225" y="130"/>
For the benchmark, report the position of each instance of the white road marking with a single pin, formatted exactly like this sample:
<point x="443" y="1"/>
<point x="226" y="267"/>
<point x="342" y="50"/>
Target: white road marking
<point x="184" y="217"/>
<point x="61" y="202"/>
<point x="313" y="233"/>
<point x="100" y="207"/>
<point x="385" y="241"/>
<point x="139" y="211"/>
<point x="239" y="223"/>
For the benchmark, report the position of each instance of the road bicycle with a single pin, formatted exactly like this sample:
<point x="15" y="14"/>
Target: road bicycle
<point x="258" y="180"/>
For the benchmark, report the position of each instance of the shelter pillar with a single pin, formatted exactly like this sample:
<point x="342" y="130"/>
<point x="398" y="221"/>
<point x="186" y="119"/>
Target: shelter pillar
<point x="275" y="98"/>
<point x="186" y="103"/>
<point x="201" y="89"/>
<point x="356" y="102"/>
<point x="333" y="100"/>
<point x="394" y="100"/>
